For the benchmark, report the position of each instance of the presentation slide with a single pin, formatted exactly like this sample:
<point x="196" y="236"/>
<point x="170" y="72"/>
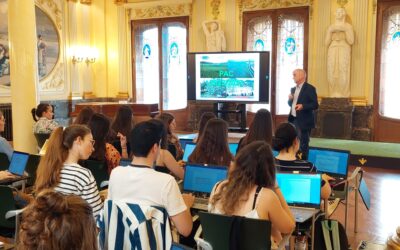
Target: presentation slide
<point x="228" y="77"/>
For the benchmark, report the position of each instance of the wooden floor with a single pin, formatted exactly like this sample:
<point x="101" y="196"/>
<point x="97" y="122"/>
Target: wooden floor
<point x="384" y="215"/>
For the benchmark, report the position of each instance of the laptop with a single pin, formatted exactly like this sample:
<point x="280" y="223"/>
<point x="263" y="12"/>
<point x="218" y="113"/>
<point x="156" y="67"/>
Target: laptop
<point x="302" y="193"/>
<point x="275" y="153"/>
<point x="200" y="180"/>
<point x="124" y="162"/>
<point x="333" y="162"/>
<point x="17" y="167"/>
<point x="364" y="193"/>
<point x="190" y="146"/>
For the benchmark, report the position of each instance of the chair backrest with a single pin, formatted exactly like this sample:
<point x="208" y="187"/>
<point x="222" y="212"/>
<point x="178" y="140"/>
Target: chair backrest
<point x="234" y="232"/>
<point x="31" y="167"/>
<point x="132" y="226"/>
<point x="7" y="203"/>
<point x="41" y="138"/>
<point x="4" y="161"/>
<point x="98" y="169"/>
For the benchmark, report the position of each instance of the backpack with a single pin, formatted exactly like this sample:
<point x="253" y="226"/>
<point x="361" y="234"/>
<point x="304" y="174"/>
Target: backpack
<point x="330" y="235"/>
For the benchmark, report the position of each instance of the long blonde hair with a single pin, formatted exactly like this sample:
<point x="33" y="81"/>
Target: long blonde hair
<point x="60" y="142"/>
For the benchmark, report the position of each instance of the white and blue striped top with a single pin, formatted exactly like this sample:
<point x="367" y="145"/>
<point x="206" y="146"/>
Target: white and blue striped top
<point x="78" y="180"/>
<point x="132" y="226"/>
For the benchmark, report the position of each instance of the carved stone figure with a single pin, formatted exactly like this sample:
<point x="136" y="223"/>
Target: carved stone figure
<point x="215" y="37"/>
<point x="339" y="38"/>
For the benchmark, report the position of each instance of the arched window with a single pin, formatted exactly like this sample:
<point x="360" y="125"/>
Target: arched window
<point x="159" y="65"/>
<point x="283" y="32"/>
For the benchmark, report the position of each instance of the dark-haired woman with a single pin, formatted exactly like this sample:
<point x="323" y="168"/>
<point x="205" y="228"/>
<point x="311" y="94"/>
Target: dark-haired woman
<point x="260" y="129"/>
<point x="251" y="190"/>
<point x="59" y="169"/>
<point x="84" y="116"/>
<point x="122" y="126"/>
<point x="104" y="151"/>
<point x="56" y="221"/>
<point x="212" y="147"/>
<point x="43" y="116"/>
<point x="174" y="145"/>
<point x="288" y="144"/>
<point x="205" y="117"/>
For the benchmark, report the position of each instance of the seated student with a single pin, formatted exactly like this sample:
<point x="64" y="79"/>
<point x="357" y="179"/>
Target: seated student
<point x="165" y="159"/>
<point x="212" y="147"/>
<point x="174" y="145"/>
<point x="205" y="117"/>
<point x="43" y="116"/>
<point x="56" y="221"/>
<point x="288" y="144"/>
<point x="122" y="126"/>
<point x="104" y="151"/>
<point x="60" y="170"/>
<point x="251" y="190"/>
<point x="260" y="129"/>
<point x="139" y="183"/>
<point x="84" y="116"/>
<point x="5" y="147"/>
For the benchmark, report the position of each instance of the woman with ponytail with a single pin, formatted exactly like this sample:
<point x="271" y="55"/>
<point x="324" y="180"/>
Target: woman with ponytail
<point x="59" y="169"/>
<point x="56" y="221"/>
<point x="43" y="116"/>
<point x="251" y="190"/>
<point x="288" y="144"/>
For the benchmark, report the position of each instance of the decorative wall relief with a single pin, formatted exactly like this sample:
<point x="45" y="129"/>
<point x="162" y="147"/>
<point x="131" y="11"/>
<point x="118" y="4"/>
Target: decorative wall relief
<point x="162" y="11"/>
<point x="50" y="45"/>
<point x="247" y="5"/>
<point x="215" y="8"/>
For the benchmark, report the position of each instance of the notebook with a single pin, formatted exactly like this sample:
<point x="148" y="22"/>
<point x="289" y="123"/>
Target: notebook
<point x="17" y="166"/>
<point x="189" y="147"/>
<point x="333" y="162"/>
<point x="200" y="180"/>
<point x="302" y="192"/>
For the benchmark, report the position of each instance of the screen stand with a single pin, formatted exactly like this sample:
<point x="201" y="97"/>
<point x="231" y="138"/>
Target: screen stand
<point x="222" y="110"/>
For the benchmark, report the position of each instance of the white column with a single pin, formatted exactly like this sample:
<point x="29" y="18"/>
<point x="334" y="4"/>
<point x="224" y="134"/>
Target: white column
<point x="122" y="54"/>
<point x="24" y="71"/>
<point x="73" y="42"/>
<point x="359" y="49"/>
<point x="321" y="17"/>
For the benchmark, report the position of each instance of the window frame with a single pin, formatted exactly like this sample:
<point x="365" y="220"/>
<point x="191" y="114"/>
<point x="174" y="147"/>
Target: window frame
<point x="274" y="13"/>
<point x="159" y="22"/>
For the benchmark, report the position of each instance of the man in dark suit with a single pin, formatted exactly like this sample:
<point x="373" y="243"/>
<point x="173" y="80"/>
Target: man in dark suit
<point x="303" y="101"/>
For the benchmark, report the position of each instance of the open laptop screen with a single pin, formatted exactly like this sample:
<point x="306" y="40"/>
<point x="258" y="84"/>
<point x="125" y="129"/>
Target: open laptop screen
<point x="201" y="178"/>
<point x="363" y="189"/>
<point x="329" y="160"/>
<point x="300" y="189"/>
<point x="18" y="163"/>
<point x="233" y="148"/>
<point x="189" y="147"/>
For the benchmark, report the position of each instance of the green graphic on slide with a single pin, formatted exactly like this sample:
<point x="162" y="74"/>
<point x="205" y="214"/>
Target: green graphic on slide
<point x="229" y="69"/>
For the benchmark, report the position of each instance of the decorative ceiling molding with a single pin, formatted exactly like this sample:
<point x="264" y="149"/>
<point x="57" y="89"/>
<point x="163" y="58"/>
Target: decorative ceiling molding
<point x="55" y="10"/>
<point x="162" y="11"/>
<point x="248" y="5"/>
<point x="86" y="1"/>
<point x="215" y="8"/>
<point x="119" y="2"/>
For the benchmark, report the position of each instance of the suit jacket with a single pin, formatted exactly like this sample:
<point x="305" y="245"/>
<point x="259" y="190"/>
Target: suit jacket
<point x="308" y="97"/>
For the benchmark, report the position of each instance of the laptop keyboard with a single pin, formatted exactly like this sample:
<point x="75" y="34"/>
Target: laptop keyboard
<point x="301" y="214"/>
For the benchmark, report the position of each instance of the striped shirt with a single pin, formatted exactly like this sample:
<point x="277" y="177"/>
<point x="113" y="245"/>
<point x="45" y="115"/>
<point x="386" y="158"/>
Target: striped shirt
<point x="296" y="165"/>
<point x="80" y="181"/>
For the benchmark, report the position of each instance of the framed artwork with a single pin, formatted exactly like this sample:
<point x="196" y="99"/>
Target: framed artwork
<point x="4" y="47"/>
<point x="49" y="44"/>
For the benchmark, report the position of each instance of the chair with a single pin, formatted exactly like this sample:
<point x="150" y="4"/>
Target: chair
<point x="98" y="169"/>
<point x="31" y="167"/>
<point x="132" y="226"/>
<point x="4" y="162"/>
<point x="8" y="209"/>
<point x="41" y="138"/>
<point x="223" y="232"/>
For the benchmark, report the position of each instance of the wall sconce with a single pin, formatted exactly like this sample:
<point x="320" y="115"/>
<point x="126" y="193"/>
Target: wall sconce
<point x="84" y="53"/>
